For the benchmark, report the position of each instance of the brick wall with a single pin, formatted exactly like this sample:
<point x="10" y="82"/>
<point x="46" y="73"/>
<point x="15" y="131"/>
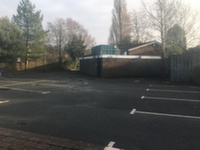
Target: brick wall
<point x="90" y="66"/>
<point x="130" y="68"/>
<point x="121" y="67"/>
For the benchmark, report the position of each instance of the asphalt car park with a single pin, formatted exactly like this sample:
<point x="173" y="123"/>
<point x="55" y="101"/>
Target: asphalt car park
<point x="120" y="113"/>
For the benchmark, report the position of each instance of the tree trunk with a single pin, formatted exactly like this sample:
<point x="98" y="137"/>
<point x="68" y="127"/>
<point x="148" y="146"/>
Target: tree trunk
<point x="60" y="49"/>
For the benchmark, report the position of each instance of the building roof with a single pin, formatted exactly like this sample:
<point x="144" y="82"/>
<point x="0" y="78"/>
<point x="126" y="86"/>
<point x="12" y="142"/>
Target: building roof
<point x="144" y="45"/>
<point x="103" y="46"/>
<point x="121" y="57"/>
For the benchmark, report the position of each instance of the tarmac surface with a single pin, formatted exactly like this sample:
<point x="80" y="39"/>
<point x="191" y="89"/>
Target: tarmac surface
<point x="82" y="112"/>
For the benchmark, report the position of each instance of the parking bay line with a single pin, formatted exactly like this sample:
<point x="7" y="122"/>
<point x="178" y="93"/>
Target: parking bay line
<point x="173" y="86"/>
<point x="24" y="90"/>
<point x="3" y="102"/>
<point x="56" y="85"/>
<point x="23" y="83"/>
<point x="172" y="91"/>
<point x="170" y="99"/>
<point x="134" y="111"/>
<point x="110" y="146"/>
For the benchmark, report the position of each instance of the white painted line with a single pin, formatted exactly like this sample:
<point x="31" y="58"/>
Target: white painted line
<point x="23" y="83"/>
<point x="133" y="112"/>
<point x="2" y="102"/>
<point x="166" y="115"/>
<point x="57" y="85"/>
<point x="170" y="99"/>
<point x="136" y="81"/>
<point x="173" y="91"/>
<point x="174" y="86"/>
<point x="48" y="92"/>
<point x="54" y="85"/>
<point x="24" y="90"/>
<point x="110" y="146"/>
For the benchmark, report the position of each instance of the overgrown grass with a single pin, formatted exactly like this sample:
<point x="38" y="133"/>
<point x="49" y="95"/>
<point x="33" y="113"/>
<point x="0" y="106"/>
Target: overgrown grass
<point x="71" y="65"/>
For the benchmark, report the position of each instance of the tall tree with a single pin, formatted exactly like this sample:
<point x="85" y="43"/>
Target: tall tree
<point x="63" y="31"/>
<point x="75" y="47"/>
<point x="75" y="28"/>
<point x="11" y="40"/>
<point x="188" y="19"/>
<point x="120" y="30"/>
<point x="141" y="31"/>
<point x="176" y="40"/>
<point x="162" y="16"/>
<point x="30" y="22"/>
<point x="58" y="36"/>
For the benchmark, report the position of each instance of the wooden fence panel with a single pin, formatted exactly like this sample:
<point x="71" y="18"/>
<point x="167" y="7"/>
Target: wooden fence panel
<point x="182" y="66"/>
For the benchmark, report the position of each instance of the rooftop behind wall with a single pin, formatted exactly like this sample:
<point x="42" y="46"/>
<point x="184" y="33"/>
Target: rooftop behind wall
<point x="104" y="49"/>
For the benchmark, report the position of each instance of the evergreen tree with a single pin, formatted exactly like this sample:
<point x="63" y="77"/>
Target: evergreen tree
<point x="11" y="40"/>
<point x="176" y="40"/>
<point x="30" y="22"/>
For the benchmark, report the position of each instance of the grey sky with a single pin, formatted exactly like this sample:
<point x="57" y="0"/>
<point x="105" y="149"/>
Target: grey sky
<point x="94" y="15"/>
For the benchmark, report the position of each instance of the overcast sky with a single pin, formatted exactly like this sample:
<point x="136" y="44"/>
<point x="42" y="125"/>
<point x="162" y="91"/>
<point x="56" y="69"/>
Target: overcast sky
<point x="94" y="15"/>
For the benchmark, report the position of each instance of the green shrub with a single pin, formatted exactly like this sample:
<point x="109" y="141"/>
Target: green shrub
<point x="71" y="65"/>
<point x="196" y="73"/>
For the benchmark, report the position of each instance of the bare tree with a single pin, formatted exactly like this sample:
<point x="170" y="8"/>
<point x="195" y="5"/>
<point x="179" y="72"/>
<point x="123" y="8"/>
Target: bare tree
<point x="58" y="36"/>
<point x="164" y="14"/>
<point x="162" y="17"/>
<point x="188" y="19"/>
<point x="141" y="31"/>
<point x="74" y="28"/>
<point x="121" y="25"/>
<point x="61" y="31"/>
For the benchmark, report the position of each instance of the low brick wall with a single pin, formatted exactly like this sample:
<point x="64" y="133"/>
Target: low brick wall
<point x="113" y="67"/>
<point x="120" y="66"/>
<point x="90" y="66"/>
